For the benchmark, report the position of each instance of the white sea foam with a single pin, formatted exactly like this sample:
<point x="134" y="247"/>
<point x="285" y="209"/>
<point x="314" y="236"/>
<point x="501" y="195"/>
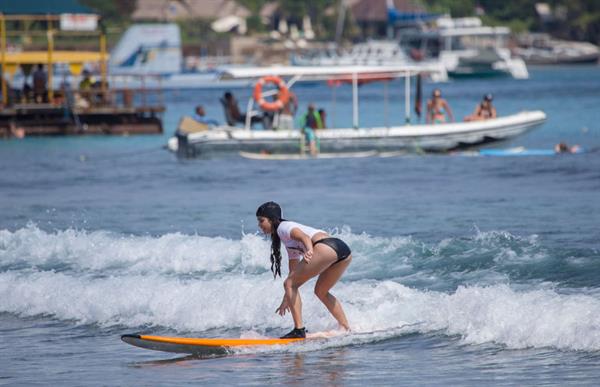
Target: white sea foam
<point x="516" y="319"/>
<point x="194" y="283"/>
<point x="176" y="253"/>
<point x="105" y="251"/>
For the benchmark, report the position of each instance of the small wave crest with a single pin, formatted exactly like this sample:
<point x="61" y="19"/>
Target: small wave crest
<point x="108" y="253"/>
<point x="500" y="314"/>
<point x="486" y="258"/>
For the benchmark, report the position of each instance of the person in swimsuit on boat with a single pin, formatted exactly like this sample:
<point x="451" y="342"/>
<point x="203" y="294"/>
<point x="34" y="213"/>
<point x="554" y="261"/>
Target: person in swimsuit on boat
<point x="310" y="122"/>
<point x="484" y="111"/>
<point x="437" y="108"/>
<point x="323" y="256"/>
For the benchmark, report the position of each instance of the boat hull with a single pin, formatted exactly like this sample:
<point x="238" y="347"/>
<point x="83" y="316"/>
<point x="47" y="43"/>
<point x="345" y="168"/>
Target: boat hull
<point x="431" y="138"/>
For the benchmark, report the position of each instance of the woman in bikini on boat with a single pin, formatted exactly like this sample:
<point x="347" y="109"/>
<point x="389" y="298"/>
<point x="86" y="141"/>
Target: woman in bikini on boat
<point x="323" y="256"/>
<point x="437" y="108"/>
<point x="484" y="111"/>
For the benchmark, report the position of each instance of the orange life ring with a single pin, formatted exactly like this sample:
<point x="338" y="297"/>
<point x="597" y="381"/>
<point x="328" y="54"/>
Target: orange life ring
<point x="283" y="96"/>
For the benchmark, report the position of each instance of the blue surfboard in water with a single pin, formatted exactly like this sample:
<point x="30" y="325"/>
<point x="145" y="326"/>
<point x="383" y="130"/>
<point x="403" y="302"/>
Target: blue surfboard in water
<point x="521" y="151"/>
<point x="517" y="152"/>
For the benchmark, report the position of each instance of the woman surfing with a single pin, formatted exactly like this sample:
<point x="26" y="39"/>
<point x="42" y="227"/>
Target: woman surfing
<point x="323" y="256"/>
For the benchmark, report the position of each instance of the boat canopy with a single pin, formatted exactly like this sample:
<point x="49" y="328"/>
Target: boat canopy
<point x="352" y="74"/>
<point x="328" y="72"/>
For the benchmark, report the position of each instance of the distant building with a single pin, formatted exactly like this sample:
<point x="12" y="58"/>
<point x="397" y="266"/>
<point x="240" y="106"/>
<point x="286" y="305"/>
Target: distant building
<point x="372" y="16"/>
<point x="171" y="10"/>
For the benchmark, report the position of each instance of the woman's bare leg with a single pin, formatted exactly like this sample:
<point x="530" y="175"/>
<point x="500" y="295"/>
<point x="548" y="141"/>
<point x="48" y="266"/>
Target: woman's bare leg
<point x="321" y="260"/>
<point x="326" y="281"/>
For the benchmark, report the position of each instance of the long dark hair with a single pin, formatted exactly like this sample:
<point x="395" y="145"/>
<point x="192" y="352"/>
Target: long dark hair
<point x="272" y="211"/>
<point x="275" y="249"/>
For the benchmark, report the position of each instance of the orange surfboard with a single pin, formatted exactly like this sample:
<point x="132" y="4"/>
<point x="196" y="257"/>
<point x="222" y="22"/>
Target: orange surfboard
<point x="199" y="346"/>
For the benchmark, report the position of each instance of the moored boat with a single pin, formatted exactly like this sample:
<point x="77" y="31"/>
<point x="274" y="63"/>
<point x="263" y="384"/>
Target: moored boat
<point x="466" y="47"/>
<point x="439" y="137"/>
<point x="542" y="49"/>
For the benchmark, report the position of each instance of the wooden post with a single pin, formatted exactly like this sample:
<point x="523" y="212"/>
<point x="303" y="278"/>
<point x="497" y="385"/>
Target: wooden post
<point x="3" y="58"/>
<point x="50" y="79"/>
<point x="103" y="69"/>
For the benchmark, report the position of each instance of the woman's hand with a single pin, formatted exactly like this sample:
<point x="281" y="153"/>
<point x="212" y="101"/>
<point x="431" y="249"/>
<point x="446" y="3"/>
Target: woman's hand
<point x="284" y="307"/>
<point x="308" y="255"/>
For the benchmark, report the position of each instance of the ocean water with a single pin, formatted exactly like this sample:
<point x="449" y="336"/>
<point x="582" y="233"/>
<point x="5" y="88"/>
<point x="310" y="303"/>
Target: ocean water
<point x="466" y="270"/>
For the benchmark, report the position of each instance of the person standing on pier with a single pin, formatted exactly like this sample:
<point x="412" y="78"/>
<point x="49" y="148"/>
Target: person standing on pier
<point x="40" y="90"/>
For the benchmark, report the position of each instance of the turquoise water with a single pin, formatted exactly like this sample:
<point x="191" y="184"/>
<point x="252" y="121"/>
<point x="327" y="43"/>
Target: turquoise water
<point x="466" y="270"/>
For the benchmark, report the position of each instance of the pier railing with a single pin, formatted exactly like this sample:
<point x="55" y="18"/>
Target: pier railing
<point x="136" y="97"/>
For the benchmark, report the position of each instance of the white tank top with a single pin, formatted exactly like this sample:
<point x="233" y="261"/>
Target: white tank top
<point x="295" y="249"/>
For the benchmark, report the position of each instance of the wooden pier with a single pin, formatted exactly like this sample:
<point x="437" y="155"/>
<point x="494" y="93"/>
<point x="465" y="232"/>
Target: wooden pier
<point x="73" y="103"/>
<point x="41" y="119"/>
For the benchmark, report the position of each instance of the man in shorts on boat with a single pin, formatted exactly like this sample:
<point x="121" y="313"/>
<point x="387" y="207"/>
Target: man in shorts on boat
<point x="308" y="123"/>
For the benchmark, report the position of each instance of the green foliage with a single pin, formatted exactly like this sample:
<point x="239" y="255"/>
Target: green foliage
<point x="254" y="24"/>
<point x="195" y="31"/>
<point x="515" y="25"/>
<point x="253" y="5"/>
<point x="453" y="7"/>
<point x="114" y="11"/>
<point x="581" y="19"/>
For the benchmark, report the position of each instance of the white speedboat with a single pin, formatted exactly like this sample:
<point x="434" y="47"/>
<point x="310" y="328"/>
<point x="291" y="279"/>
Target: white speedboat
<point x="542" y="49"/>
<point x="369" y="53"/>
<point x="440" y="137"/>
<point x="465" y="47"/>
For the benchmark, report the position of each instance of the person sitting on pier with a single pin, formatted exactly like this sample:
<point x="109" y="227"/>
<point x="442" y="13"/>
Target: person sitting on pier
<point x="484" y="110"/>
<point x="87" y="81"/>
<point x="438" y="108"/>
<point x="233" y="115"/>
<point x="200" y="114"/>
<point x="83" y="99"/>
<point x="40" y="89"/>
<point x="27" y="92"/>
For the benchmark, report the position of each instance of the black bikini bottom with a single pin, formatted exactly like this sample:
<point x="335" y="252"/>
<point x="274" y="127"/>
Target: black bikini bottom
<point x="341" y="249"/>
